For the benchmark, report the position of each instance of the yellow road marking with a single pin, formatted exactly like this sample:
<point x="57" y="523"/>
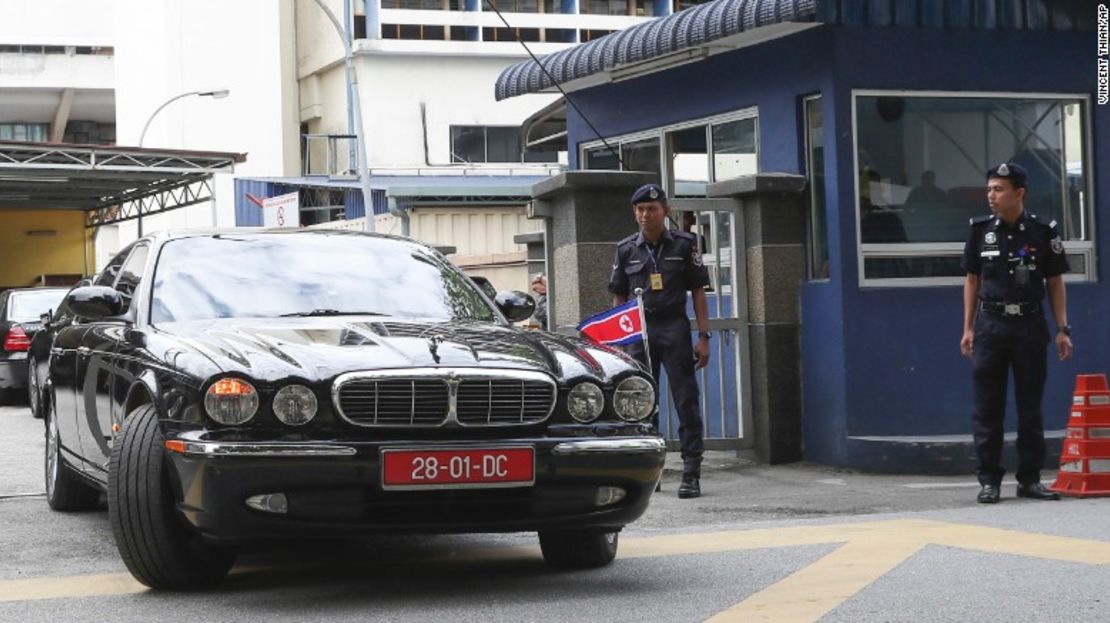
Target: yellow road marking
<point x="813" y="591"/>
<point x="69" y="587"/>
<point x="870" y="550"/>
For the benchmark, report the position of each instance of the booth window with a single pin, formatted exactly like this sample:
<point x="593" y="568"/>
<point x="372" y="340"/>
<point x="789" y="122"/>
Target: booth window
<point x="817" y="234"/>
<point x="920" y="166"/>
<point x="686" y="156"/>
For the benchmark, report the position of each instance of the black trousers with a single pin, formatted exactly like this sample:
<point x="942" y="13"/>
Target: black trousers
<point x="1003" y="344"/>
<point x="671" y="347"/>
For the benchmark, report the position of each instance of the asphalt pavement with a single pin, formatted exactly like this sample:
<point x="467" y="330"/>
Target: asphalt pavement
<point x="796" y="542"/>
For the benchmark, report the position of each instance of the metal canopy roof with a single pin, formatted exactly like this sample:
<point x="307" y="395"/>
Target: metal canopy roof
<point x="110" y="184"/>
<point x="659" y="38"/>
<point x="708" y="28"/>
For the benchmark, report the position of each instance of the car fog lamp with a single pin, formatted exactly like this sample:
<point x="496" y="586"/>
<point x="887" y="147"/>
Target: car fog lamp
<point x="295" y="405"/>
<point x="585" y="402"/>
<point x="634" y="399"/>
<point x="607" y="496"/>
<point x="269" y="503"/>
<point x="231" y="401"/>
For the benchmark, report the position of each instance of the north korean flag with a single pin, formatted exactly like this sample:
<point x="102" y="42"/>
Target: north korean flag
<point x="620" y="325"/>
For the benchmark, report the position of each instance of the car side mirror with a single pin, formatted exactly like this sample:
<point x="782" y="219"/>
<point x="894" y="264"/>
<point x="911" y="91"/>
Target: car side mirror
<point x="485" y="285"/>
<point x="95" y="302"/>
<point x="516" y="306"/>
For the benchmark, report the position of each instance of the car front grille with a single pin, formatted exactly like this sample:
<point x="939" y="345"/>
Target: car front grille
<point x="503" y="401"/>
<point x="433" y="397"/>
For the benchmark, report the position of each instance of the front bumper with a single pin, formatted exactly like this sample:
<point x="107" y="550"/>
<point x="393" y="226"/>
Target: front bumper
<point x="335" y="488"/>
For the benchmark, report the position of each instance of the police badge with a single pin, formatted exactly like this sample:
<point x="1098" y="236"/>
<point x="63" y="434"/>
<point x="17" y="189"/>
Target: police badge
<point x="990" y="238"/>
<point x="1003" y="170"/>
<point x="1057" y="245"/>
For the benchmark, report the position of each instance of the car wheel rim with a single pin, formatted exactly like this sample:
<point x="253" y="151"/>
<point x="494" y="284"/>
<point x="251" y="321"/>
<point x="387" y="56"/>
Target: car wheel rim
<point x="51" y="456"/>
<point x="32" y="387"/>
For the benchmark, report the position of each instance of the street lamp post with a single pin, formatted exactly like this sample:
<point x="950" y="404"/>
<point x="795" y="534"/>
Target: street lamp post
<point x="216" y="94"/>
<point x="360" y="142"/>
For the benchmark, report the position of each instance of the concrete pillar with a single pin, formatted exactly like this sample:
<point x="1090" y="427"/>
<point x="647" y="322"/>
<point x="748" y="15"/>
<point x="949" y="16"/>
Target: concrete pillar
<point x="773" y="208"/>
<point x="586" y="214"/>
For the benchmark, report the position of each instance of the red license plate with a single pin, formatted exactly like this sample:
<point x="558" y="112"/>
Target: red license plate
<point x="458" y="468"/>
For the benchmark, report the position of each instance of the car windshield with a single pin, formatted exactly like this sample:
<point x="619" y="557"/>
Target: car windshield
<point x="308" y="274"/>
<point x="28" y="306"/>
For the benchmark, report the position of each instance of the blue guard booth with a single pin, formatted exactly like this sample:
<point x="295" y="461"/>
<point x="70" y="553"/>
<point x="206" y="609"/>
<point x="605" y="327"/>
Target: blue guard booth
<point x="893" y="110"/>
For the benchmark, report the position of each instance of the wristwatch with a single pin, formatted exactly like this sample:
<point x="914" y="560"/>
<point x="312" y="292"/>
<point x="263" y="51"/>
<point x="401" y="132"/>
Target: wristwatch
<point x="704" y="335"/>
<point x="1065" y="329"/>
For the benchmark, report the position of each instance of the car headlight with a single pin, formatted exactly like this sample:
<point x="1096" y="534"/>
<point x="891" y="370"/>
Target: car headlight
<point x="634" y="399"/>
<point x="231" y="401"/>
<point x="295" y="405"/>
<point x="585" y="402"/>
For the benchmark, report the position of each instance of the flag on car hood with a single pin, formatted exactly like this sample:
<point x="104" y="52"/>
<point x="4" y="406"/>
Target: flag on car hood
<point x="620" y="325"/>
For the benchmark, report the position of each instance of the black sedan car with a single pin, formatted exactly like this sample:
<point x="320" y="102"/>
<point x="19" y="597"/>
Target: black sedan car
<point x="231" y="386"/>
<point x="21" y="310"/>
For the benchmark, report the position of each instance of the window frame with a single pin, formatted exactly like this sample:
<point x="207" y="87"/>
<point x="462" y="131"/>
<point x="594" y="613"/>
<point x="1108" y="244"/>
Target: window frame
<point x="660" y="134"/>
<point x="1085" y="248"/>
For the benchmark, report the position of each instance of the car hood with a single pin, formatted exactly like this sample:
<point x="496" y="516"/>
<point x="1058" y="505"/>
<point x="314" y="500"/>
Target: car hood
<point x="320" y="348"/>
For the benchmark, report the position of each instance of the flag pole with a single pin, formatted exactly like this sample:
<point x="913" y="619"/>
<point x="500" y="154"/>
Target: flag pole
<point x="639" y="292"/>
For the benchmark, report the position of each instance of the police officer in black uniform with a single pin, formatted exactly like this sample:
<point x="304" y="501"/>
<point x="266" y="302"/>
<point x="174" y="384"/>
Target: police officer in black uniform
<point x="665" y="264"/>
<point x="1011" y="259"/>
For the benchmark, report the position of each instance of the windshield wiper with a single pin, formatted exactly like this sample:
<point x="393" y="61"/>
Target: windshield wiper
<point x="331" y="312"/>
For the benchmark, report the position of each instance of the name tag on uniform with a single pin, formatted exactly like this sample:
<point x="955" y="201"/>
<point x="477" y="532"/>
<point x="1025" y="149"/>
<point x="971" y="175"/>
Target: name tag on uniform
<point x="656" y="281"/>
<point x="673" y="258"/>
<point x="994" y="253"/>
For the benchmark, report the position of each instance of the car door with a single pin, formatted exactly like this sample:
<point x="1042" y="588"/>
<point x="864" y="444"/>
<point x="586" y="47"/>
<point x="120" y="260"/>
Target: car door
<point x="96" y="369"/>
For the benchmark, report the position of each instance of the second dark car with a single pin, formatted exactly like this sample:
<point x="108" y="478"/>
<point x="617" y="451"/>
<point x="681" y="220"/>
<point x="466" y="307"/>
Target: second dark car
<point x="21" y="312"/>
<point x="242" y="385"/>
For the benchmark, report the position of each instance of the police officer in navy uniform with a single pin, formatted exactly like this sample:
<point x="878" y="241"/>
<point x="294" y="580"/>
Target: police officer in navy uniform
<point x="665" y="264"/>
<point x="1011" y="259"/>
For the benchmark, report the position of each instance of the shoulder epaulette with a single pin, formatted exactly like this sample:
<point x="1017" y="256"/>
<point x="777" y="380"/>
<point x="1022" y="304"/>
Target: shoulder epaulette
<point x="682" y="234"/>
<point x="980" y="219"/>
<point x="624" y="241"/>
<point x="1049" y="223"/>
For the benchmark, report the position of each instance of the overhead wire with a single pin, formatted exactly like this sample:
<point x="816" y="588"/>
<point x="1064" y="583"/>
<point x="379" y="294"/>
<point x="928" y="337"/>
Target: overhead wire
<point x="570" y="102"/>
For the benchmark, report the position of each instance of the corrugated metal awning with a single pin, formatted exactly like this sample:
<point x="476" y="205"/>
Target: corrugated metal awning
<point x="651" y="40"/>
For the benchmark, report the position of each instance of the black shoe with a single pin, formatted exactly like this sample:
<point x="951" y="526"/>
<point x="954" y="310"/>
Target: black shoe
<point x="690" y="487"/>
<point x="1036" y="491"/>
<point x="988" y="495"/>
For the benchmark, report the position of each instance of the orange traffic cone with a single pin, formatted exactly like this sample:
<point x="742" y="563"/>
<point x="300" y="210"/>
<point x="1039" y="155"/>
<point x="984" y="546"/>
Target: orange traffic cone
<point x="1085" y="458"/>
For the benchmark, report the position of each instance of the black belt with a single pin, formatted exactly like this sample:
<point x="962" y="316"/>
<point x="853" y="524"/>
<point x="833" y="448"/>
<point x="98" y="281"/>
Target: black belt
<point x="663" y="314"/>
<point x="1010" y="309"/>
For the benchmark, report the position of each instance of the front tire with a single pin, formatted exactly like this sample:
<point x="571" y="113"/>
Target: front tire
<point x="155" y="544"/>
<point x="578" y="549"/>
<point x="65" y="491"/>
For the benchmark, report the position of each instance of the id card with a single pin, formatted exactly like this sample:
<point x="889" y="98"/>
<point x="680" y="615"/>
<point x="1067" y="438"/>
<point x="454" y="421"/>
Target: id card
<point x="656" y="281"/>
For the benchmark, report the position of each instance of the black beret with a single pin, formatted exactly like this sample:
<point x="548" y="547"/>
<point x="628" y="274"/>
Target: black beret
<point x="1013" y="172"/>
<point x="649" y="192"/>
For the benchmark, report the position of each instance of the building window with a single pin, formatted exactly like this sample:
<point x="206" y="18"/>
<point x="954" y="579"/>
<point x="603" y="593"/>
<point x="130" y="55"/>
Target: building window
<point x="696" y="153"/>
<point x="473" y="144"/>
<point x="817" y="234"/>
<point x="25" y="132"/>
<point x="920" y="166"/>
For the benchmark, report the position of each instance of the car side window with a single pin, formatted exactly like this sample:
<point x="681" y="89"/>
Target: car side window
<point x="108" y="276"/>
<point x="131" y="274"/>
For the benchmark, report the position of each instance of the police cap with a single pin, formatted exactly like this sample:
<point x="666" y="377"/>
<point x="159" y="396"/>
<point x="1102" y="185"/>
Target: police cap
<point x="649" y="192"/>
<point x="1013" y="172"/>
